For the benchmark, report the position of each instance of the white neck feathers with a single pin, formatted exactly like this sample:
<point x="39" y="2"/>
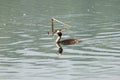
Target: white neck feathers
<point x="58" y="39"/>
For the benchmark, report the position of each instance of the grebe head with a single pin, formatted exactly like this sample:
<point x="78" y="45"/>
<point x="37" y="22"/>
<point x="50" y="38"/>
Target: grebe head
<point x="59" y="32"/>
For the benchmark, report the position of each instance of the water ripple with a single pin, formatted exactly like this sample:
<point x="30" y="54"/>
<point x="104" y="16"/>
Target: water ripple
<point x="21" y="42"/>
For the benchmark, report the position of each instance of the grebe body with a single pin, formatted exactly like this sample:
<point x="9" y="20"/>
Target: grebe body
<point x="69" y="41"/>
<point x="66" y="41"/>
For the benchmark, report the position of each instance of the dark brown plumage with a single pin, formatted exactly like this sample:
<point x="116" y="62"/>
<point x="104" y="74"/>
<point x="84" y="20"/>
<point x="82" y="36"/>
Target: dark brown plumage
<point x="69" y="41"/>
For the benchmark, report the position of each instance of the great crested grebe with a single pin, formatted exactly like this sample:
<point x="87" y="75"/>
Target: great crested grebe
<point x="66" y="41"/>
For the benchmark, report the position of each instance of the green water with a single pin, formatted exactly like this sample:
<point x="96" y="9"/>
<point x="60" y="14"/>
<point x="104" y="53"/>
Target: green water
<point x="27" y="52"/>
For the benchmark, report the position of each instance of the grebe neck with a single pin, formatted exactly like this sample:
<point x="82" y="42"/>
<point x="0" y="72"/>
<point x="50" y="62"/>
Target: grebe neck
<point x="58" y="39"/>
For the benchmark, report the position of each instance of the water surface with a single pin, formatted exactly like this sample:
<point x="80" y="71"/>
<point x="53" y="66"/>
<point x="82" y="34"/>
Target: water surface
<point x="28" y="53"/>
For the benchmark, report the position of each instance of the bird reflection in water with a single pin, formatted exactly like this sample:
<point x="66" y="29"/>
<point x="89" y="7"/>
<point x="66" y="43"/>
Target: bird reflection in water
<point x="60" y="49"/>
<point x="63" y="42"/>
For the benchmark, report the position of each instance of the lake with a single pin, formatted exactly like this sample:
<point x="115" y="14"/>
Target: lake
<point x="27" y="52"/>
